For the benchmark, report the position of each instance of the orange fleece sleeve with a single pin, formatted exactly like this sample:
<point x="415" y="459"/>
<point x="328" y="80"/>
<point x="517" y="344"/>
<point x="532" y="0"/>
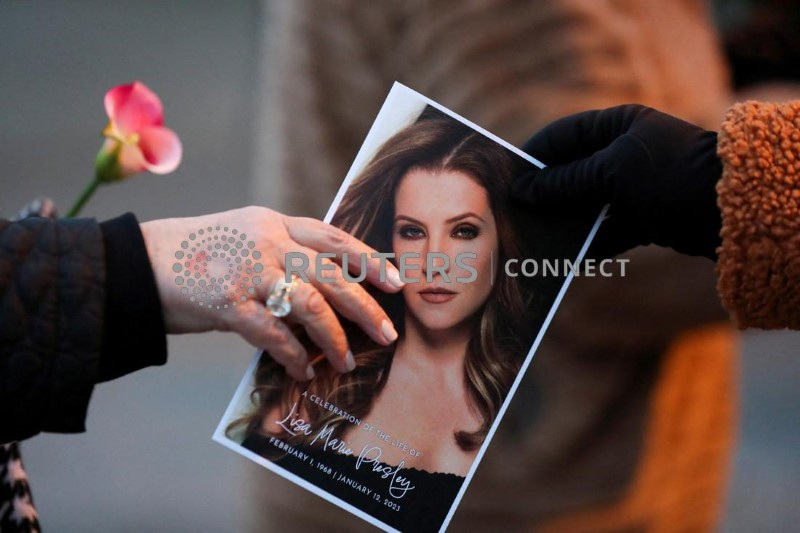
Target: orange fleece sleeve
<point x="759" y="196"/>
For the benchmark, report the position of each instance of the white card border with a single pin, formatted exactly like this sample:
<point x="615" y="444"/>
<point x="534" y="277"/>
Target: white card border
<point x="219" y="433"/>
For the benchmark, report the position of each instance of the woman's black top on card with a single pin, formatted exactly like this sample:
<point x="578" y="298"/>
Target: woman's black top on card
<point x="422" y="508"/>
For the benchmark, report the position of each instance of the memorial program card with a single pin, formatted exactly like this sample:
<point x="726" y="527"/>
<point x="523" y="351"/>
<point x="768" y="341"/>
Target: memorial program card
<point x="397" y="440"/>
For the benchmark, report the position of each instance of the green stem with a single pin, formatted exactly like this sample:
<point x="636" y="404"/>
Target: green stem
<point x="83" y="198"/>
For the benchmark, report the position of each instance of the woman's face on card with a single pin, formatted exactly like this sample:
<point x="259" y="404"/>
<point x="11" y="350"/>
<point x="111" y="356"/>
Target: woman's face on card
<point x="446" y="212"/>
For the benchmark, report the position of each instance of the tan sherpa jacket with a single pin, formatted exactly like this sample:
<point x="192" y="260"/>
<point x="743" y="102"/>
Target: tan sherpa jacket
<point x="759" y="196"/>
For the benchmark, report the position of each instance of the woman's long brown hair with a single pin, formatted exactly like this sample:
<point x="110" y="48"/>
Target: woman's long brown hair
<point x="502" y="332"/>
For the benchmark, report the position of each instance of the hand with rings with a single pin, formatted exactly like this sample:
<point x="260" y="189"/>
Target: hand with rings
<point x="225" y="271"/>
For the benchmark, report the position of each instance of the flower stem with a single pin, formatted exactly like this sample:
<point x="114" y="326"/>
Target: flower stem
<point x="83" y="198"/>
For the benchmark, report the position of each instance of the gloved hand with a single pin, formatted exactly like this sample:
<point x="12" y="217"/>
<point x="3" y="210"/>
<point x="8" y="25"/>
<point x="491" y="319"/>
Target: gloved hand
<point x="657" y="172"/>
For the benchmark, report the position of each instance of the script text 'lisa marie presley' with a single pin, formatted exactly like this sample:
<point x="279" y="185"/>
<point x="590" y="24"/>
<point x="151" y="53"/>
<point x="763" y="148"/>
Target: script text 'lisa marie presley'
<point x="368" y="456"/>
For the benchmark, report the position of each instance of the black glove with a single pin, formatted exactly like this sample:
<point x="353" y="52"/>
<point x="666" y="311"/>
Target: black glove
<point x="657" y="172"/>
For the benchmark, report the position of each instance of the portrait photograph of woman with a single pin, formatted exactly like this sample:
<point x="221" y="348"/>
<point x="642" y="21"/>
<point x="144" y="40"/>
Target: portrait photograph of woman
<point x="397" y="438"/>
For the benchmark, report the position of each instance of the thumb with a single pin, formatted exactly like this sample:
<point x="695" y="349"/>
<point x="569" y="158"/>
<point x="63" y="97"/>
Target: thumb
<point x="582" y="182"/>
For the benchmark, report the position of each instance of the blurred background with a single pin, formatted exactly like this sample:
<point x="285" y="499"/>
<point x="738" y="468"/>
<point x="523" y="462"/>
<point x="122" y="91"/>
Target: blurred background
<point x="228" y="74"/>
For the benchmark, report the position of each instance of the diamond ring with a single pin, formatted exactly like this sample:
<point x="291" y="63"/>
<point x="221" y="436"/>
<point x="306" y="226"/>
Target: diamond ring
<point x="279" y="303"/>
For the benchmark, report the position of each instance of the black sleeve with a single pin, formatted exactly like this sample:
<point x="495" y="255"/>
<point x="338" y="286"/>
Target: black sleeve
<point x="51" y="311"/>
<point x="133" y="333"/>
<point x="78" y="305"/>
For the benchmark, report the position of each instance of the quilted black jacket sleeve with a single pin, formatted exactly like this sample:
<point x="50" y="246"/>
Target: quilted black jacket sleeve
<point x="78" y="305"/>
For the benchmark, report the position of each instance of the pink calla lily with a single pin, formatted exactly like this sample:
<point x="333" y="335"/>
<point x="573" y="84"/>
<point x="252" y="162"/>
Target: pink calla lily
<point x="136" y="139"/>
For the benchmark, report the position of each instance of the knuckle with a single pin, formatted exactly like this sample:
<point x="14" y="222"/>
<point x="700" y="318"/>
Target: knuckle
<point x="254" y="211"/>
<point x="340" y="284"/>
<point x="295" y="225"/>
<point x="316" y="303"/>
<point x="328" y="272"/>
<point x="336" y="237"/>
<point x="294" y="355"/>
<point x="256" y="217"/>
<point x="275" y="332"/>
<point x="287" y="223"/>
<point x="337" y="281"/>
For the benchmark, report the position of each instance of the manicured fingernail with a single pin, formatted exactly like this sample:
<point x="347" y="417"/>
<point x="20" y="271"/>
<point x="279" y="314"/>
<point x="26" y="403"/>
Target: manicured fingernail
<point x="349" y="361"/>
<point x="393" y="276"/>
<point x="389" y="333"/>
<point x="310" y="372"/>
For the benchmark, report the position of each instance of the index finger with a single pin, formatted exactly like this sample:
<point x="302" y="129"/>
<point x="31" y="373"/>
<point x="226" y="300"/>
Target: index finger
<point x="582" y="134"/>
<point x="323" y="237"/>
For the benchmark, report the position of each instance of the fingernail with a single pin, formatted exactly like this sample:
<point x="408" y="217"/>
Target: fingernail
<point x="394" y="278"/>
<point x="349" y="361"/>
<point x="389" y="333"/>
<point x="310" y="372"/>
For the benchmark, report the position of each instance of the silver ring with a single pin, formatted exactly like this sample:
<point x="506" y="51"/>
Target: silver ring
<point x="279" y="303"/>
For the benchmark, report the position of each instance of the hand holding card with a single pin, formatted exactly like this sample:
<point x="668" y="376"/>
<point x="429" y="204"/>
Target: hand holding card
<point x="221" y="274"/>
